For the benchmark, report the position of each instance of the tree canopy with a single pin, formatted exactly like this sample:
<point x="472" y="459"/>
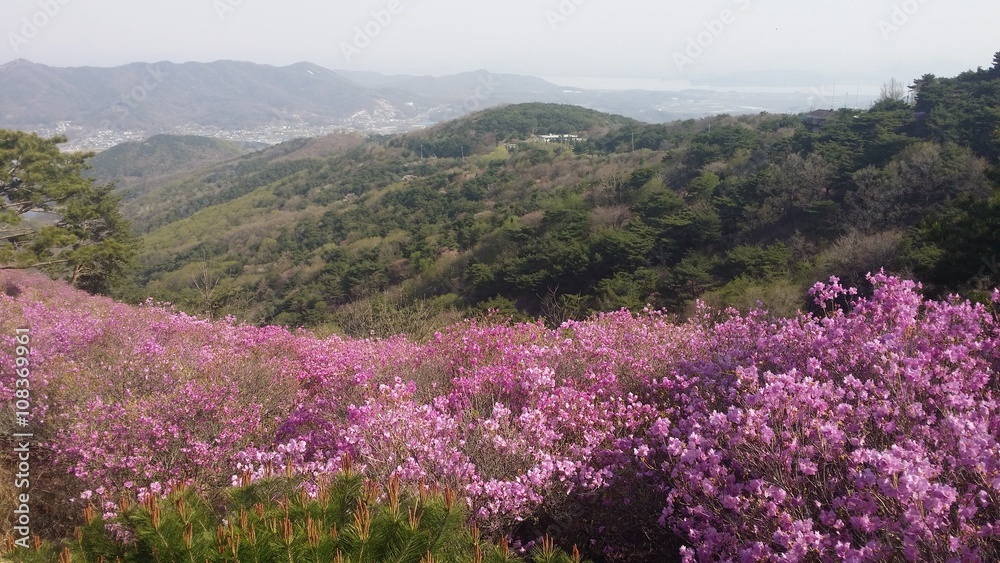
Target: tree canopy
<point x="55" y="220"/>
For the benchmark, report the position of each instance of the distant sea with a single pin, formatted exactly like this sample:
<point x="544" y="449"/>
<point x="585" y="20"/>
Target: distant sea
<point x="657" y="85"/>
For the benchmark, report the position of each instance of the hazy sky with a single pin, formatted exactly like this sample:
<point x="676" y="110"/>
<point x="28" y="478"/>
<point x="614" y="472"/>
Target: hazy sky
<point x="637" y="39"/>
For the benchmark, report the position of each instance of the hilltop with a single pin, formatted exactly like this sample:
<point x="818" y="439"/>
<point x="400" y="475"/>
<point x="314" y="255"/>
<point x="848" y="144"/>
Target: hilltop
<point x="141" y="165"/>
<point x="484" y="131"/>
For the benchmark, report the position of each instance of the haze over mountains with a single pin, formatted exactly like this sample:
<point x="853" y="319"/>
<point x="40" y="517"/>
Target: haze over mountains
<point x="254" y="103"/>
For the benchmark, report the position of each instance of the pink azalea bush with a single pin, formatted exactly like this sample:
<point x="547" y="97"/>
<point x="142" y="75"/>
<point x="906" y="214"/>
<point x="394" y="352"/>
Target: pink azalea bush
<point x="866" y="435"/>
<point x="865" y="432"/>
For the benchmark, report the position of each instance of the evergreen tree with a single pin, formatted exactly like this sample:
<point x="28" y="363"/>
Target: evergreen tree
<point x="54" y="219"/>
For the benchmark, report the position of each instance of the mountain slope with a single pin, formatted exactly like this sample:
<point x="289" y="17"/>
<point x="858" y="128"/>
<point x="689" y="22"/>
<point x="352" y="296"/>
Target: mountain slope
<point x="174" y="197"/>
<point x="230" y="95"/>
<point x="479" y="213"/>
<point x="482" y="131"/>
<point x="162" y="96"/>
<point x="142" y="165"/>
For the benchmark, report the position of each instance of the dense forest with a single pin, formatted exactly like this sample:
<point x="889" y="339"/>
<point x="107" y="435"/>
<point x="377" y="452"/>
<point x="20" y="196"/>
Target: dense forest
<point x="386" y="234"/>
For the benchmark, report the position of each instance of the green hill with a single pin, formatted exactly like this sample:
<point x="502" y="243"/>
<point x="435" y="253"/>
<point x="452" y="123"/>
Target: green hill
<point x="190" y="189"/>
<point x="482" y="131"/>
<point x="143" y="165"/>
<point x="363" y="235"/>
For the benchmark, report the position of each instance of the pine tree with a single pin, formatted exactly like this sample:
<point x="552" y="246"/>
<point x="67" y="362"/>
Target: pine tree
<point x="54" y="219"/>
<point x="274" y="520"/>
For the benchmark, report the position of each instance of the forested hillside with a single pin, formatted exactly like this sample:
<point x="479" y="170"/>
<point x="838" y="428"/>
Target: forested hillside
<point x="479" y="213"/>
<point x="138" y="166"/>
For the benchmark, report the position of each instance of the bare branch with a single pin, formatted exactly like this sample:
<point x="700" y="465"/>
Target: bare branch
<point x="892" y="90"/>
<point x="35" y="265"/>
<point x="15" y="235"/>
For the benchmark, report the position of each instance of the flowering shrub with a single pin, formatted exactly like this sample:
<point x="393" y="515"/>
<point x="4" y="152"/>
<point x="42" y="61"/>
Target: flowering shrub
<point x="866" y="432"/>
<point x="865" y="435"/>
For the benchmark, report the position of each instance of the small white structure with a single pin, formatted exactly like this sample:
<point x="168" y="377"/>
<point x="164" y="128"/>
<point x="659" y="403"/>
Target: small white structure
<point x="559" y="138"/>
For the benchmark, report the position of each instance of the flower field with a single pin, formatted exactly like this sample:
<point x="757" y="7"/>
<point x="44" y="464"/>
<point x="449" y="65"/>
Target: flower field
<point x="866" y="431"/>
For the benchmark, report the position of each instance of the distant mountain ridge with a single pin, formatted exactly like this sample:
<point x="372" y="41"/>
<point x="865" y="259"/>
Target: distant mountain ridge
<point x="97" y="108"/>
<point x="159" y="96"/>
<point x="200" y="98"/>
